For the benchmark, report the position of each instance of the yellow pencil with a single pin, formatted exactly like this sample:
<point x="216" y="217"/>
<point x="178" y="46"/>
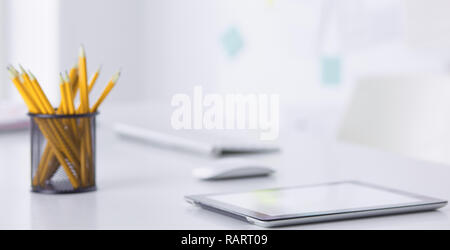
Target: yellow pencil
<point x="48" y="108"/>
<point x="73" y="76"/>
<point x="33" y="108"/>
<point x="64" y="96"/>
<point x="50" y="111"/>
<point x="82" y="81"/>
<point x="69" y="140"/>
<point x="39" y="106"/>
<point x="94" y="79"/>
<point x="69" y="94"/>
<point x="106" y="92"/>
<point x="70" y="104"/>
<point x="63" y="139"/>
<point x="72" y="177"/>
<point x="32" y="90"/>
<point x="84" y="108"/>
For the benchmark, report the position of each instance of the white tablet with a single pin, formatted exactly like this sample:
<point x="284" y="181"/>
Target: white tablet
<point x="315" y="203"/>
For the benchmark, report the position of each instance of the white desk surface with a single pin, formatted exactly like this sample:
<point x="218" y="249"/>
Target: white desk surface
<point x="141" y="187"/>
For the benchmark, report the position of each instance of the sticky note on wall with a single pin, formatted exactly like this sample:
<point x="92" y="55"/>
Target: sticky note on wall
<point x="331" y="70"/>
<point x="232" y="42"/>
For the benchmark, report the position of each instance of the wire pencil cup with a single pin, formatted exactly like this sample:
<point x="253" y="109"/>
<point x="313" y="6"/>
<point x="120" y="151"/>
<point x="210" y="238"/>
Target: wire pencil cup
<point x="63" y="154"/>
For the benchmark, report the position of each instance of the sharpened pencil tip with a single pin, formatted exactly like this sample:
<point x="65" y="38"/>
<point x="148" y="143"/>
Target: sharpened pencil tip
<point x="66" y="77"/>
<point x="32" y="77"/>
<point x="61" y="78"/>
<point x="116" y="77"/>
<point x="12" y="73"/>
<point x="14" y="70"/>
<point x="82" y="51"/>
<point x="22" y="70"/>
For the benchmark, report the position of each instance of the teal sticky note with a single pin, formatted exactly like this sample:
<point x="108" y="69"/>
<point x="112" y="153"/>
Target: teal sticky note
<point x="232" y="42"/>
<point x="331" y="70"/>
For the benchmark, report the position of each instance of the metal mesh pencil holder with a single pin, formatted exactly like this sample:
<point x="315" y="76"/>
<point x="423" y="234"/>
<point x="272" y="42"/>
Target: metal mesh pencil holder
<point x="63" y="153"/>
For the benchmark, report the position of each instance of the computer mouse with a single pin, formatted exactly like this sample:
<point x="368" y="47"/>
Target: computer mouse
<point x="232" y="169"/>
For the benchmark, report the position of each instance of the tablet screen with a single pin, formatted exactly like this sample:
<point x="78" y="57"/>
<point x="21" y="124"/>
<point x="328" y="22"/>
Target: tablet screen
<point x="314" y="199"/>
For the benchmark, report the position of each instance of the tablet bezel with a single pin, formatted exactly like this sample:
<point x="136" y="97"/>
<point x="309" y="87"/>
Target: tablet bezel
<point x="203" y="200"/>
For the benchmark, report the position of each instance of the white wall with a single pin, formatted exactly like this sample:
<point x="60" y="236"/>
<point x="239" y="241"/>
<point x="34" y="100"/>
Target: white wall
<point x="281" y="47"/>
<point x="45" y="35"/>
<point x="111" y="32"/>
<point x="169" y="46"/>
<point x="187" y="50"/>
<point x="32" y="40"/>
<point x="166" y="47"/>
<point x="3" y="78"/>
